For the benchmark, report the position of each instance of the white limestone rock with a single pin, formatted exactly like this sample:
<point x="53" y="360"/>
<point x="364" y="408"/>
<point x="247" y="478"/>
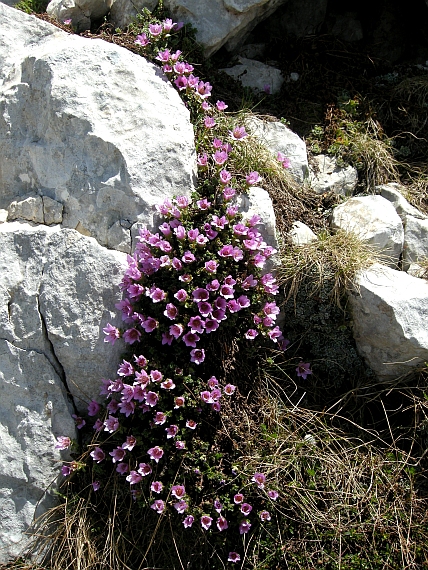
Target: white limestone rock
<point x="415" y="241"/>
<point x="58" y="290"/>
<point x="3" y="216"/>
<point x="278" y="137"/>
<point x="301" y="234"/>
<point x="222" y="22"/>
<point x="375" y="221"/>
<point x="328" y="176"/>
<point x="124" y="11"/>
<point x="390" y="320"/>
<point x="257" y="75"/>
<point x="80" y="12"/>
<point x="89" y="124"/>
<point x="394" y="193"/>
<point x="256" y="201"/>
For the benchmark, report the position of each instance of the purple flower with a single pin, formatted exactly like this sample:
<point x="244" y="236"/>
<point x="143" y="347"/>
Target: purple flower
<point x="171" y="311"/>
<point x="181" y="295"/>
<point x="131" y="335"/>
<point x="122" y="468"/>
<point x="196" y="324"/>
<point x="160" y="418"/>
<point x="111" y="424"/>
<point x="144" y="469"/>
<point x="176" y="330"/>
<point x="181" y="82"/>
<point x="63" y="442"/>
<point x="163" y="56"/>
<point x="206" y="397"/>
<point x="226" y="251"/>
<point x="134" y="477"/>
<point x="238" y="498"/>
<point x="151" y="399"/>
<point x="209" y="122"/>
<point x="244" y="527"/>
<point x="171" y="431"/>
<point x="96" y="485"/>
<point x="142" y="40"/>
<point x="155" y="29"/>
<point x="217" y="506"/>
<point x="155" y="453"/>
<point x="156" y="487"/>
<point x="246" y="509"/>
<point x="190" y="339"/>
<point x="253" y="178"/>
<point x="188" y="257"/>
<point x="112" y="333"/>
<point x="205" y="308"/>
<point x="221" y="105"/>
<point x="206" y="522"/>
<point x="203" y="204"/>
<point x="181" y="506"/>
<point x="97" y="454"/>
<point x="200" y="294"/>
<point x="149" y="325"/>
<point x="191" y="424"/>
<point x="222" y="524"/>
<point x="217" y="143"/>
<point x="202" y="160"/>
<point x="229" y="389"/>
<point x="211" y="325"/>
<point x="188" y="521"/>
<point x="303" y="369"/>
<point x="117" y="454"/>
<point x="197" y="355"/>
<point x="227" y="292"/>
<point x="220" y="157"/>
<point x="234" y="557"/>
<point x="276" y="333"/>
<point x="180" y="444"/>
<point x="158" y="506"/>
<point x="204" y="89"/>
<point x="225" y="177"/>
<point x="213" y="286"/>
<point x="211" y="266"/>
<point x="265" y="516"/>
<point x="238" y="133"/>
<point x="129" y="443"/>
<point x="228" y="193"/>
<point x="260" y="479"/>
<point x="178" y="491"/>
<point x="168" y="384"/>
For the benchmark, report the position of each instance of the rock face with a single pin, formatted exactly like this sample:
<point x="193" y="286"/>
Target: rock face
<point x="329" y="177"/>
<point x="390" y="316"/>
<point x="257" y="75"/>
<point x="374" y="220"/>
<point x="80" y="12"/>
<point x="89" y="125"/>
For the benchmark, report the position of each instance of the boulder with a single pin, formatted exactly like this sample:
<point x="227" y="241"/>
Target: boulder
<point x="393" y="192"/>
<point x="390" y="320"/>
<point x="123" y="12"/>
<point x="80" y="12"/>
<point x="328" y="176"/>
<point x="257" y="201"/>
<point x="89" y="125"/>
<point x="278" y="137"/>
<point x="415" y="241"/>
<point x="257" y="75"/>
<point x="375" y="221"/>
<point x="301" y="234"/>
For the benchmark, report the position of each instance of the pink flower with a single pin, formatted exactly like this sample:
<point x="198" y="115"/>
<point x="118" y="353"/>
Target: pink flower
<point x="181" y="506"/>
<point x="142" y="40"/>
<point x="303" y="369"/>
<point x="155" y="29"/>
<point x="225" y="177"/>
<point x="178" y="491"/>
<point x="97" y="454"/>
<point x="234" y="557"/>
<point x="229" y="389"/>
<point x="217" y="143"/>
<point x="156" y="487"/>
<point x="222" y="524"/>
<point x="63" y="442"/>
<point x="163" y="56"/>
<point x="168" y="384"/>
<point x="117" y="454"/>
<point x="129" y="443"/>
<point x="112" y="333"/>
<point x="200" y="294"/>
<point x="246" y="509"/>
<point x="196" y="324"/>
<point x="160" y="418"/>
<point x="253" y="178"/>
<point x="188" y="257"/>
<point x="221" y="105"/>
<point x="158" y="506"/>
<point x="180" y="444"/>
<point x="244" y="527"/>
<point x="228" y="193"/>
<point x="260" y="479"/>
<point x="190" y="339"/>
<point x="220" y="157"/>
<point x="134" y="478"/>
<point x="191" y="424"/>
<point x="171" y="311"/>
<point x="197" y="355"/>
<point x="188" y="521"/>
<point x="111" y="424"/>
<point x="206" y="522"/>
<point x="122" y="468"/>
<point x="152" y="399"/>
<point x="179" y="402"/>
<point x="238" y="133"/>
<point x="155" y="453"/>
<point x="209" y="122"/>
<point x="181" y="295"/>
<point x="206" y="397"/>
<point x="204" y="89"/>
<point x="149" y="325"/>
<point x="171" y="431"/>
<point x="203" y="204"/>
<point x="238" y="498"/>
<point x="265" y="516"/>
<point x="217" y="506"/>
<point x="251" y="334"/>
<point x="205" y="308"/>
<point x="211" y="266"/>
<point x="202" y="160"/>
<point x="144" y="469"/>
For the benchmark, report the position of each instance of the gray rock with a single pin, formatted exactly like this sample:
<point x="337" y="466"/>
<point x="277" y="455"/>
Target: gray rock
<point x="278" y="137"/>
<point x="253" y="51"/>
<point x="375" y="221"/>
<point x="347" y="27"/>
<point x="52" y="211"/>
<point x="30" y="209"/>
<point x="415" y="241"/>
<point x="297" y="19"/>
<point x="90" y="125"/>
<point x="393" y="192"/>
<point x="80" y="12"/>
<point x="34" y="411"/>
<point x="124" y="11"/>
<point x="58" y="290"/>
<point x="390" y="320"/>
<point x="257" y="201"/>
<point x="301" y="234"/>
<point x="257" y="75"/>
<point x="329" y="177"/>
<point x="3" y="216"/>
